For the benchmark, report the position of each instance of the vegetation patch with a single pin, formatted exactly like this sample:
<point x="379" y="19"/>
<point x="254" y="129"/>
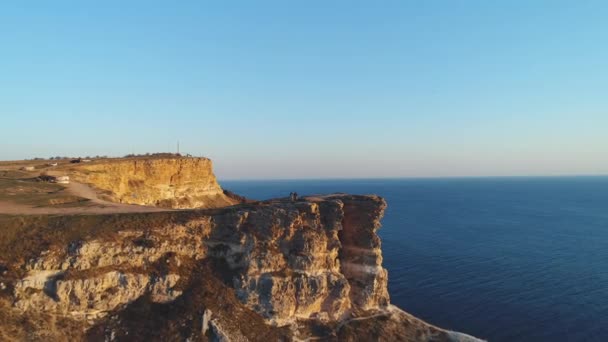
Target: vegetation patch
<point x="32" y="192"/>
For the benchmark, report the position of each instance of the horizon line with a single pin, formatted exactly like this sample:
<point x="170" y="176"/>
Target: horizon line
<point x="415" y="177"/>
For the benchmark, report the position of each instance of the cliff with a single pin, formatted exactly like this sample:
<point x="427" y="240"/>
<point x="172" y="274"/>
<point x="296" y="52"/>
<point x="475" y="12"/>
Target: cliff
<point x="163" y="182"/>
<point x="268" y="271"/>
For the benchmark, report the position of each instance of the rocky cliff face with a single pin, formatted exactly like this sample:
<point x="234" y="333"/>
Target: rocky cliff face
<point x="271" y="271"/>
<point x="164" y="182"/>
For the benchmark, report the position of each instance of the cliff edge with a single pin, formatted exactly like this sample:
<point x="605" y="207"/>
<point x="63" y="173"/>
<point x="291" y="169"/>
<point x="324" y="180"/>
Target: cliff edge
<point x="269" y="271"/>
<point x="231" y="270"/>
<point x="178" y="183"/>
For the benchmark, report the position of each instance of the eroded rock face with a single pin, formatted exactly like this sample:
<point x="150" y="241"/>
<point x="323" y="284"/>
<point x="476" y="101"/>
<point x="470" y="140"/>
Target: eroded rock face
<point x="91" y="297"/>
<point x="312" y="263"/>
<point x="164" y="182"/>
<point x="361" y="252"/>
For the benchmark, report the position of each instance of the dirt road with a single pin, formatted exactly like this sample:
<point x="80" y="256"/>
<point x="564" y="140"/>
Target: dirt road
<point x="94" y="205"/>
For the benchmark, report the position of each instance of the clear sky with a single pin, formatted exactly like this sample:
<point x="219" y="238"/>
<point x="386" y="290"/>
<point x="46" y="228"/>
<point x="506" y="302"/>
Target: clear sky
<point x="307" y="89"/>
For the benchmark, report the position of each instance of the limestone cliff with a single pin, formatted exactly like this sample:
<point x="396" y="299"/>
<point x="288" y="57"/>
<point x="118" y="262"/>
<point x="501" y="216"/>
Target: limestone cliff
<point x="269" y="271"/>
<point x="163" y="182"/>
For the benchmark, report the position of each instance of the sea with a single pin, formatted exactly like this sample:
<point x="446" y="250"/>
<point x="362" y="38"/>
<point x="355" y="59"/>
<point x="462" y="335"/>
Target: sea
<point x="503" y="259"/>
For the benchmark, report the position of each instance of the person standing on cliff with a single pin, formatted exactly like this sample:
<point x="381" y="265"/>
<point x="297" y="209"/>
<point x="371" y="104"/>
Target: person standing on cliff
<point x="295" y="196"/>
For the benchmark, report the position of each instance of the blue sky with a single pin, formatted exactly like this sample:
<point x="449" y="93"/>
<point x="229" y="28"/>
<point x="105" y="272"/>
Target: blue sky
<point x="287" y="89"/>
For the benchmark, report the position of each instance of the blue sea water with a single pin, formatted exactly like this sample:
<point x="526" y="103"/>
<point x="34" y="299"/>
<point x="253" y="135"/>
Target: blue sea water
<point x="505" y="259"/>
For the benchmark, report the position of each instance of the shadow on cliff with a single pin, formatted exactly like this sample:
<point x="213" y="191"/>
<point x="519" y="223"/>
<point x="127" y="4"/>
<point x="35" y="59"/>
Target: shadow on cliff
<point x="203" y="290"/>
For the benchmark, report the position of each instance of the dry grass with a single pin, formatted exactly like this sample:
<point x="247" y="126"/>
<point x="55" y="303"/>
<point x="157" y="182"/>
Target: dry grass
<point x="203" y="288"/>
<point x="25" y="236"/>
<point x="22" y="188"/>
<point x="16" y="326"/>
<point x="204" y="284"/>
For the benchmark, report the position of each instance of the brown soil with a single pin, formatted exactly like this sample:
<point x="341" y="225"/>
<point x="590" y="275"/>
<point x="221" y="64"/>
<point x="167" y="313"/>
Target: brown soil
<point x="26" y="196"/>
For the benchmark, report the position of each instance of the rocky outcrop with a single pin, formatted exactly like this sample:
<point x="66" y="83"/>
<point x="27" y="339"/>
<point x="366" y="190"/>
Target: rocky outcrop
<point x="275" y="270"/>
<point x="90" y="297"/>
<point x="361" y="252"/>
<point x="164" y="182"/>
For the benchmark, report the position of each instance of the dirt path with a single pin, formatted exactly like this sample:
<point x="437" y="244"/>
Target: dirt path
<point x="22" y="209"/>
<point x="84" y="191"/>
<point x="95" y="205"/>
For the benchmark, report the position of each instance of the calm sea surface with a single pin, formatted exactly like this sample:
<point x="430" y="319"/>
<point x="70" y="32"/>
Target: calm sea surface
<point x="506" y="259"/>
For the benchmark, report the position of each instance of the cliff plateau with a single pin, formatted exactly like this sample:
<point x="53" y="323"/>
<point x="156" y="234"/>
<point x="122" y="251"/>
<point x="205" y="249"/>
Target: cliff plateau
<point x="275" y="270"/>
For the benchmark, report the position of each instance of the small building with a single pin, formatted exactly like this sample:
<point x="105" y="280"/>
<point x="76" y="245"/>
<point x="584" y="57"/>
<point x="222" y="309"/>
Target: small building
<point x="62" y="179"/>
<point x="55" y="179"/>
